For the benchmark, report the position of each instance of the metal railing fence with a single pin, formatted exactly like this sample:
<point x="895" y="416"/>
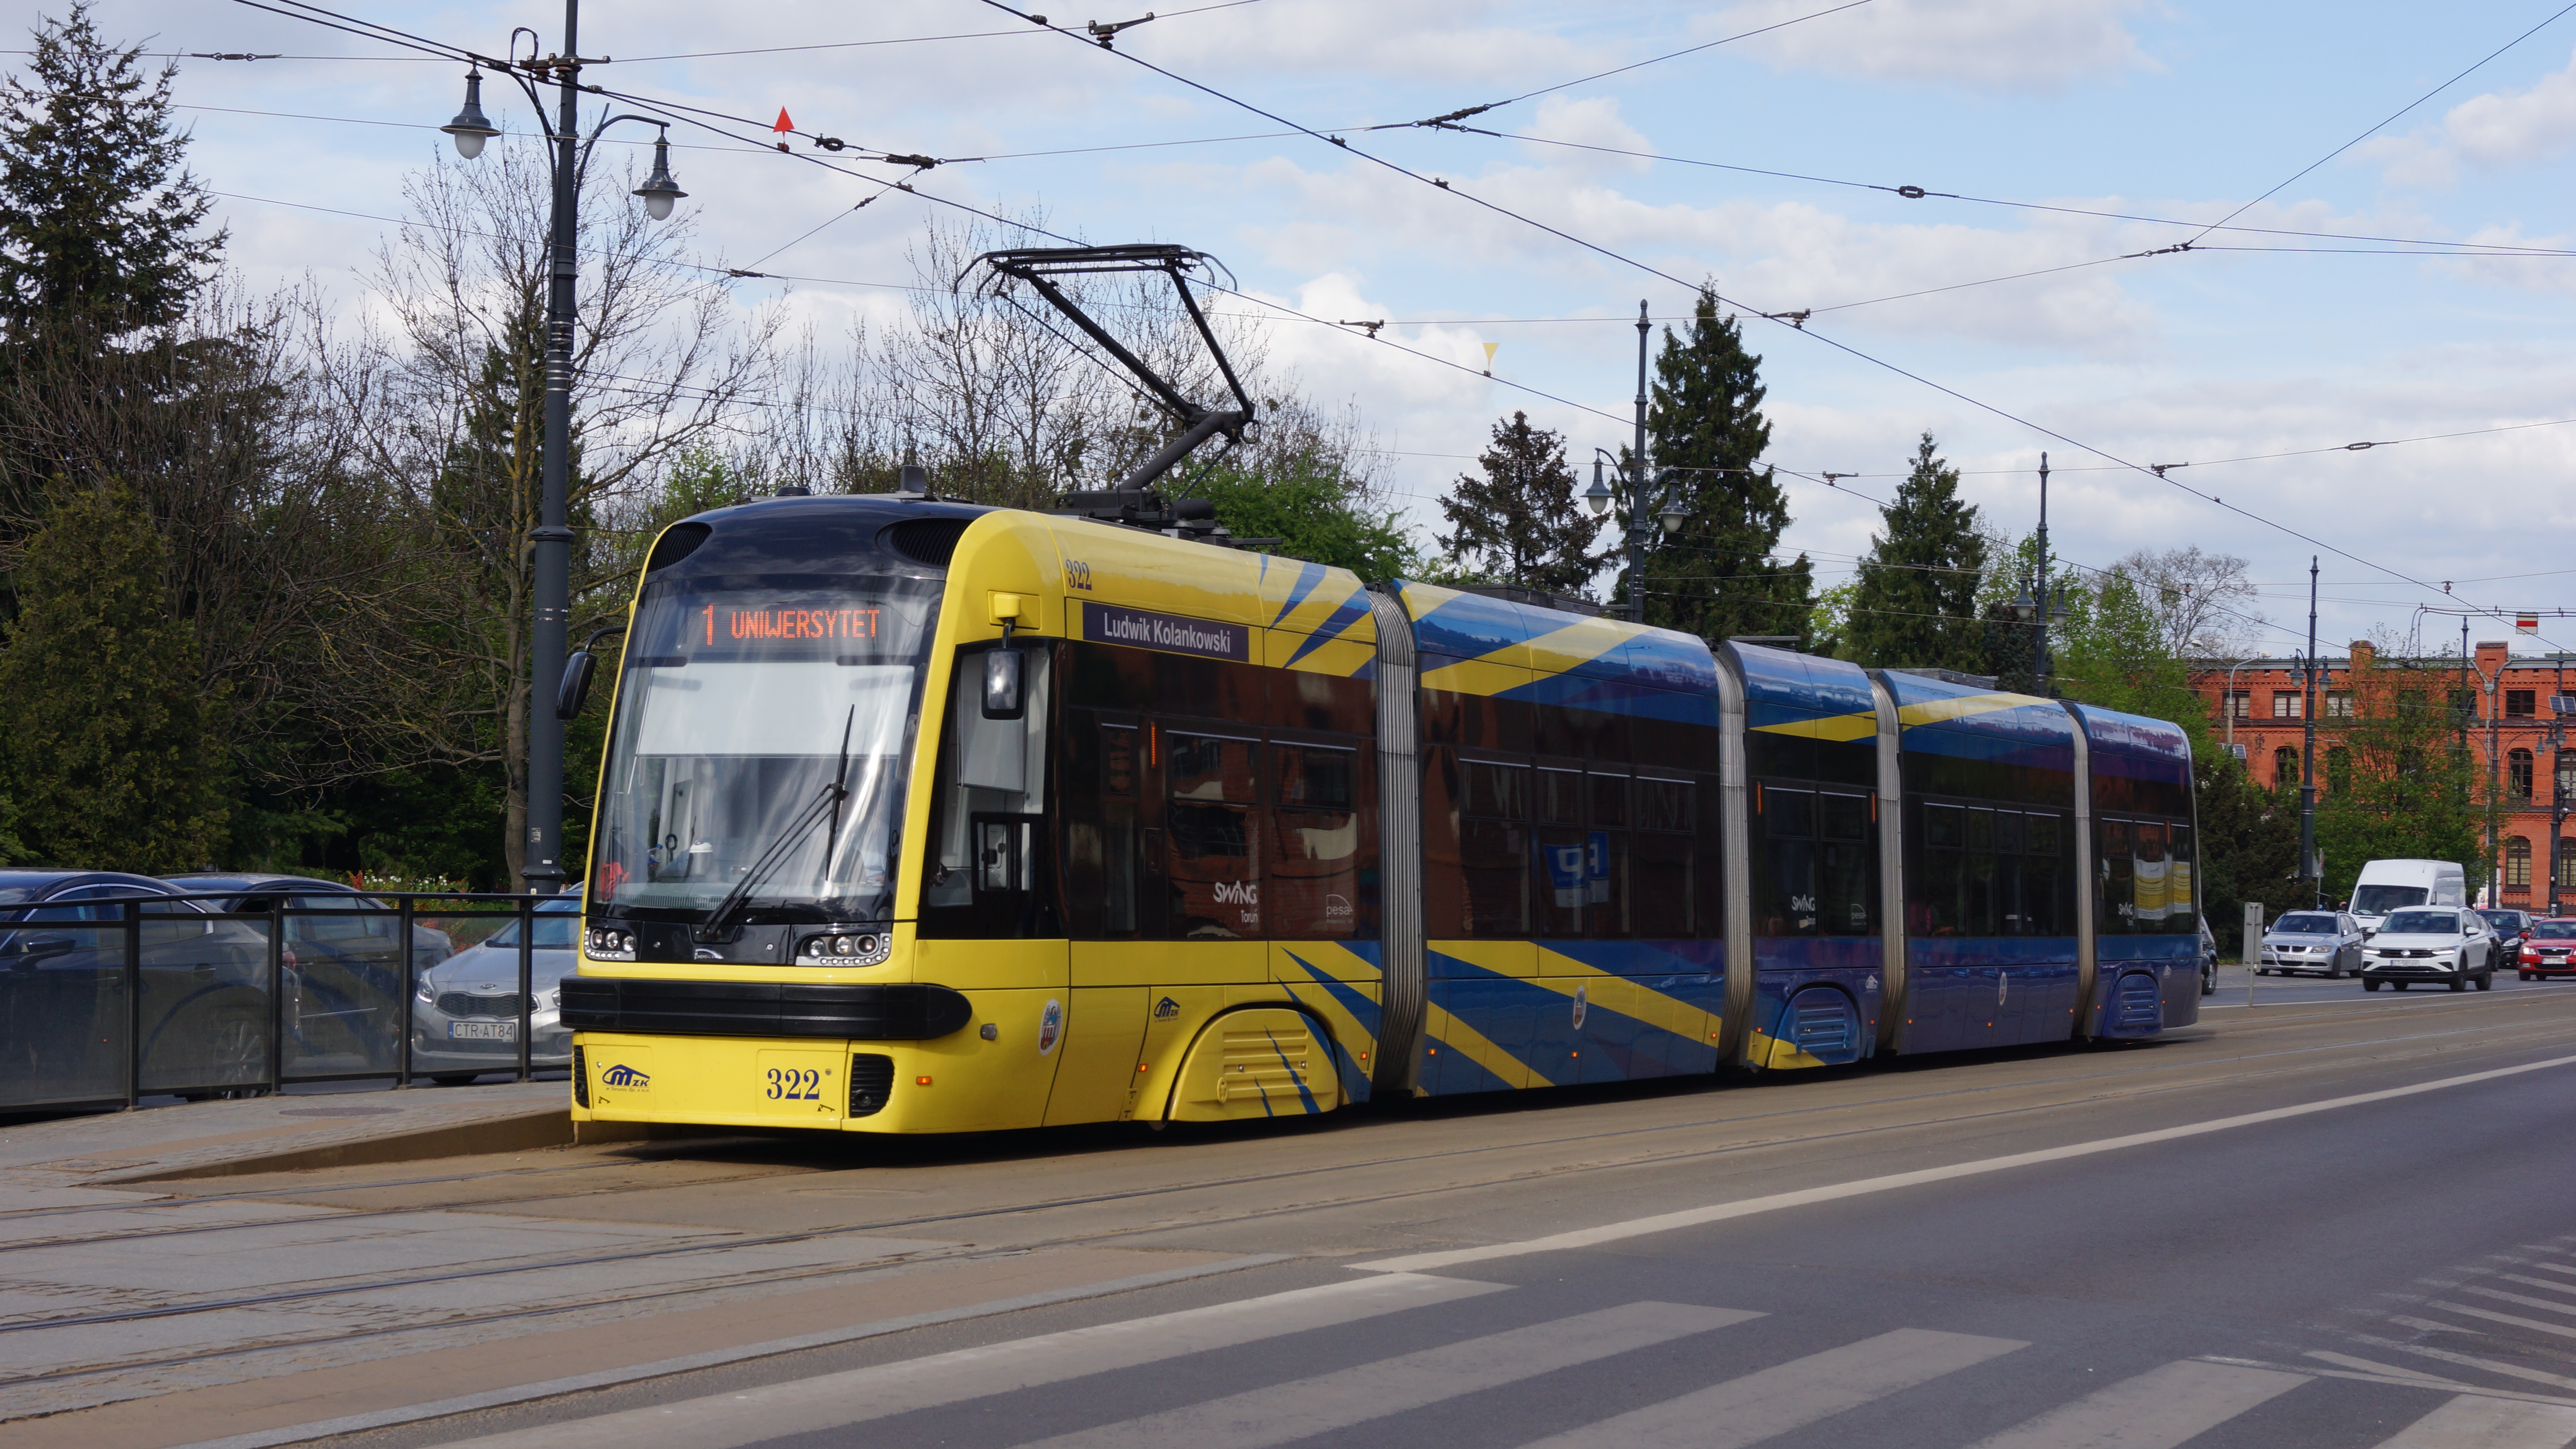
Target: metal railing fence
<point x="113" y="997"/>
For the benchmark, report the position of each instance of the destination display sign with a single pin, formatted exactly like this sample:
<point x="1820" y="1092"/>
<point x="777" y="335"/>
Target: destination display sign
<point x="1142" y="629"/>
<point x="782" y="624"/>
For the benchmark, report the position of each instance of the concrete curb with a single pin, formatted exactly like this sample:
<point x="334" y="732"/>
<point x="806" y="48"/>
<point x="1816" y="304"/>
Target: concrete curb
<point x="610" y="1378"/>
<point x="524" y="1132"/>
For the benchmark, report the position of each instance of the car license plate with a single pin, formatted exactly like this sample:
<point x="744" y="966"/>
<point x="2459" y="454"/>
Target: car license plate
<point x="482" y="1031"/>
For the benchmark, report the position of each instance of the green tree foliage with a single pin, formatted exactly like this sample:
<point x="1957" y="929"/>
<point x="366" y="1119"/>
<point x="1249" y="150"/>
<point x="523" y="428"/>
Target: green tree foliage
<point x="1315" y="514"/>
<point x="2249" y="846"/>
<point x="1916" y="604"/>
<point x="1520" y="523"/>
<point x="2399" y="786"/>
<point x="113" y="748"/>
<point x="1720" y="575"/>
<point x="99" y="218"/>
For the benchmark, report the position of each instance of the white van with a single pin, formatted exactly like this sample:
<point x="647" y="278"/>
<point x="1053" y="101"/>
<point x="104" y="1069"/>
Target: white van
<point x="2388" y="885"/>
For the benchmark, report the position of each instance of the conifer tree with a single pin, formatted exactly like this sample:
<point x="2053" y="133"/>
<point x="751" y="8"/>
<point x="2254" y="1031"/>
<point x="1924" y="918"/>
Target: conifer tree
<point x="1916" y="604"/>
<point x="99" y="218"/>
<point x="112" y="745"/>
<point x="1520" y="523"/>
<point x="1718" y="576"/>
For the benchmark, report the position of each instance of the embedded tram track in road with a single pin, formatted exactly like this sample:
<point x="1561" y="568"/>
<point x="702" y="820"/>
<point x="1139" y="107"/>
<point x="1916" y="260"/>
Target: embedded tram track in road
<point x="2128" y="1083"/>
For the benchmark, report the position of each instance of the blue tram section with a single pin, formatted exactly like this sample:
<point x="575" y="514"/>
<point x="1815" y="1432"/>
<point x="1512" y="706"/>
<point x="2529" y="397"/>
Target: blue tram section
<point x="1642" y="857"/>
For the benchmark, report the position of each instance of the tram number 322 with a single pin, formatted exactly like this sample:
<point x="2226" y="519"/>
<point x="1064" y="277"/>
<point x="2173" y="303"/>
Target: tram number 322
<point x="794" y="1084"/>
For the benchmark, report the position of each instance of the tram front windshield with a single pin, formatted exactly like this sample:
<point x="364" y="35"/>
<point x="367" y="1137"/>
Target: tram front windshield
<point x="762" y="729"/>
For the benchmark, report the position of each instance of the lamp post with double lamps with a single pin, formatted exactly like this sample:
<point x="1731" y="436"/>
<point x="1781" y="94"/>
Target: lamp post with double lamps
<point x="1668" y="511"/>
<point x="2040" y="611"/>
<point x="542" y="869"/>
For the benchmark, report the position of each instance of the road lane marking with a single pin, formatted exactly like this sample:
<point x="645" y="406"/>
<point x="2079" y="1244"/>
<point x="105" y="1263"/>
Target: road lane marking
<point x="1805" y="1197"/>
<point x="830" y="1401"/>
<point x="2525" y="1299"/>
<point x="2444" y="1355"/>
<point x="1281" y="1413"/>
<point x="1791" y="1395"/>
<point x="2155" y="1410"/>
<point x="2472" y="1422"/>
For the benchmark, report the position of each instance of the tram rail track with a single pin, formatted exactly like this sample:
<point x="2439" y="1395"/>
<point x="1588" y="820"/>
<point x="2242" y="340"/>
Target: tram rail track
<point x="1106" y="1236"/>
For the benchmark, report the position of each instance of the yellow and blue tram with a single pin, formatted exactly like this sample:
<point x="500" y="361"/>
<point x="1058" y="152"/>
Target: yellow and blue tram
<point x="924" y="817"/>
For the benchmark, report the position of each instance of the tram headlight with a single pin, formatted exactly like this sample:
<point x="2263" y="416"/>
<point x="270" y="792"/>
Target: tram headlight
<point x="853" y="948"/>
<point x="607" y="943"/>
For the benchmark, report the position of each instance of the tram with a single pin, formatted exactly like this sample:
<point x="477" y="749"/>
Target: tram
<point x="919" y="816"/>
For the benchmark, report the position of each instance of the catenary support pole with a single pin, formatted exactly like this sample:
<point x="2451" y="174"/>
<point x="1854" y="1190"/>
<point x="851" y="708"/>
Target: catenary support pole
<point x="2039" y="669"/>
<point x="1637" y="475"/>
<point x="542" y="868"/>
<point x="2308" y="756"/>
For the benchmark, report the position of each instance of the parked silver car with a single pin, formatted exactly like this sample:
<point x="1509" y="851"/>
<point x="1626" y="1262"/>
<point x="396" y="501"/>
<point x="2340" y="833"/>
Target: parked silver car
<point x="2317" y="943"/>
<point x="465" y="1014"/>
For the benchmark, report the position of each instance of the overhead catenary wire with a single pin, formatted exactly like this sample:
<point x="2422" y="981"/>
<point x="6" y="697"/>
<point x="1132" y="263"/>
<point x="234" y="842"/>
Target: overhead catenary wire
<point x="1778" y="317"/>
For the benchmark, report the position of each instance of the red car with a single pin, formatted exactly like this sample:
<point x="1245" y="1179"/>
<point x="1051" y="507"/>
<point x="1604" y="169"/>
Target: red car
<point x="2550" y="950"/>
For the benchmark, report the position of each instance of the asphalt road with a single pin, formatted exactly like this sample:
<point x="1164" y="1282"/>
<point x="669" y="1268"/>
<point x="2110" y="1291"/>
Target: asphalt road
<point x="2207" y="1240"/>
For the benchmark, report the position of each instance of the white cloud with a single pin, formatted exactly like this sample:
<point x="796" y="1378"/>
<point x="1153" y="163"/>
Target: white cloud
<point x="1984" y="45"/>
<point x="2488" y="133"/>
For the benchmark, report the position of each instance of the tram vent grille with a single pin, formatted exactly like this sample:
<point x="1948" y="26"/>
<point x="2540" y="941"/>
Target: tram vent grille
<point x="1823" y="1027"/>
<point x="929" y="541"/>
<point x="2137" y="1007"/>
<point x="580" y="1078"/>
<point x="871" y="1083"/>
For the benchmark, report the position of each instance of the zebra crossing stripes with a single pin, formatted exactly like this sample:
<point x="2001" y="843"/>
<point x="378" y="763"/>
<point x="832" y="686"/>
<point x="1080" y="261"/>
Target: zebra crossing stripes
<point x="830" y="1401"/>
<point x="2155" y="1410"/>
<point x="1788" y="1396"/>
<point x="2472" y="1422"/>
<point x="1284" y="1412"/>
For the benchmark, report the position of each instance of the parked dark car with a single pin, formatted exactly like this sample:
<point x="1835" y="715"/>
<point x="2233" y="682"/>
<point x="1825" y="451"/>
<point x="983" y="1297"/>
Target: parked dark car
<point x="345" y="993"/>
<point x="204" y="1011"/>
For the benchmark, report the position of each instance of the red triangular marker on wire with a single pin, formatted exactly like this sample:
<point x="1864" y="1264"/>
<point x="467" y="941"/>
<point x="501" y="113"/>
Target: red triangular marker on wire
<point x="783" y="126"/>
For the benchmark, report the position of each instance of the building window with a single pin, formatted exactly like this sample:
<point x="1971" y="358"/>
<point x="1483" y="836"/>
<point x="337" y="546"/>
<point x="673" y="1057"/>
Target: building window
<point x="2338" y="769"/>
<point x="2517" y="774"/>
<point x="2518" y="704"/>
<point x="2566" y="777"/>
<point x="2339" y="704"/>
<point x="2517" y="864"/>
<point x="2285" y="767"/>
<point x="2285" y="705"/>
<point x="2238" y="703"/>
<point x="2566" y="864"/>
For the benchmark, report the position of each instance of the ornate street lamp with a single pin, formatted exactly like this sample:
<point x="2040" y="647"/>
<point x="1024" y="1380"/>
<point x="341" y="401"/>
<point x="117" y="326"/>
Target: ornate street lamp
<point x="552" y="539"/>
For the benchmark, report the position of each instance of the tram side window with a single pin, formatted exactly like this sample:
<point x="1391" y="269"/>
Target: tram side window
<point x="2041" y="903"/>
<point x="1212" y="826"/>
<point x="1117" y="828"/>
<point x="1817" y="862"/>
<point x="1666" y="886"/>
<point x="1582" y="867"/>
<point x="1314" y="859"/>
<point x="1475" y="847"/>
<point x="2116" y="876"/>
<point x="2182" y="914"/>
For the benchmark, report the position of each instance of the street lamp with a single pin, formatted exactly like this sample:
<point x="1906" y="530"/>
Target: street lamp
<point x="471" y="128"/>
<point x="659" y="190"/>
<point x="1598" y="495"/>
<point x="551" y="541"/>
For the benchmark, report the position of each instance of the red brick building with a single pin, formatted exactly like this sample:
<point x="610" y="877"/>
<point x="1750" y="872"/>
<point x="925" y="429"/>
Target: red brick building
<point x="2258" y="708"/>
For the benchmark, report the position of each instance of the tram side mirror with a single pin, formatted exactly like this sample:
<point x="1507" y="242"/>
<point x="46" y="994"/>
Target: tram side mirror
<point x="1003" y="672"/>
<point x="575" y="689"/>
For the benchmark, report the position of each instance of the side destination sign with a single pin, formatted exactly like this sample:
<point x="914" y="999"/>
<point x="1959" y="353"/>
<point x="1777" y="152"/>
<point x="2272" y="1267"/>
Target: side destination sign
<point x="1107" y="624"/>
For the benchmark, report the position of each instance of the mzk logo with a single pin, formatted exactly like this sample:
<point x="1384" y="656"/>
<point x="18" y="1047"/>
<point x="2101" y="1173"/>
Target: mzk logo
<point x="1166" y="1009"/>
<point x="1237" y="893"/>
<point x="626" y="1077"/>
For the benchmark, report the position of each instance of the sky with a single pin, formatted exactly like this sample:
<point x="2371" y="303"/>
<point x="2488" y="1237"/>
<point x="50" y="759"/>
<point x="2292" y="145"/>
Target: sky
<point x="2388" y="275"/>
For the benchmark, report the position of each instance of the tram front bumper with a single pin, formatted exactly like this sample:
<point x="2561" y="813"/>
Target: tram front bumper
<point x="892" y="1057"/>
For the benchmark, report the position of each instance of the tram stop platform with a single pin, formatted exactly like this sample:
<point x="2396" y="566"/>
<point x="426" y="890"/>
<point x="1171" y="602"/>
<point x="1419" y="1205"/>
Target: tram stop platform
<point x="49" y="1163"/>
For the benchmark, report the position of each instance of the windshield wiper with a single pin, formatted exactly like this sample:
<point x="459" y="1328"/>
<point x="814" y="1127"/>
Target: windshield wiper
<point x="828" y="802"/>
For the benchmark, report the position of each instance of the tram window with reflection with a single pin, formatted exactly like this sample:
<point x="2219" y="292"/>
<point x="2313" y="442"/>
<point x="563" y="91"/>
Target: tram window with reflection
<point x="2144" y="874"/>
<point x="1985" y="869"/>
<point x="1815" y="860"/>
